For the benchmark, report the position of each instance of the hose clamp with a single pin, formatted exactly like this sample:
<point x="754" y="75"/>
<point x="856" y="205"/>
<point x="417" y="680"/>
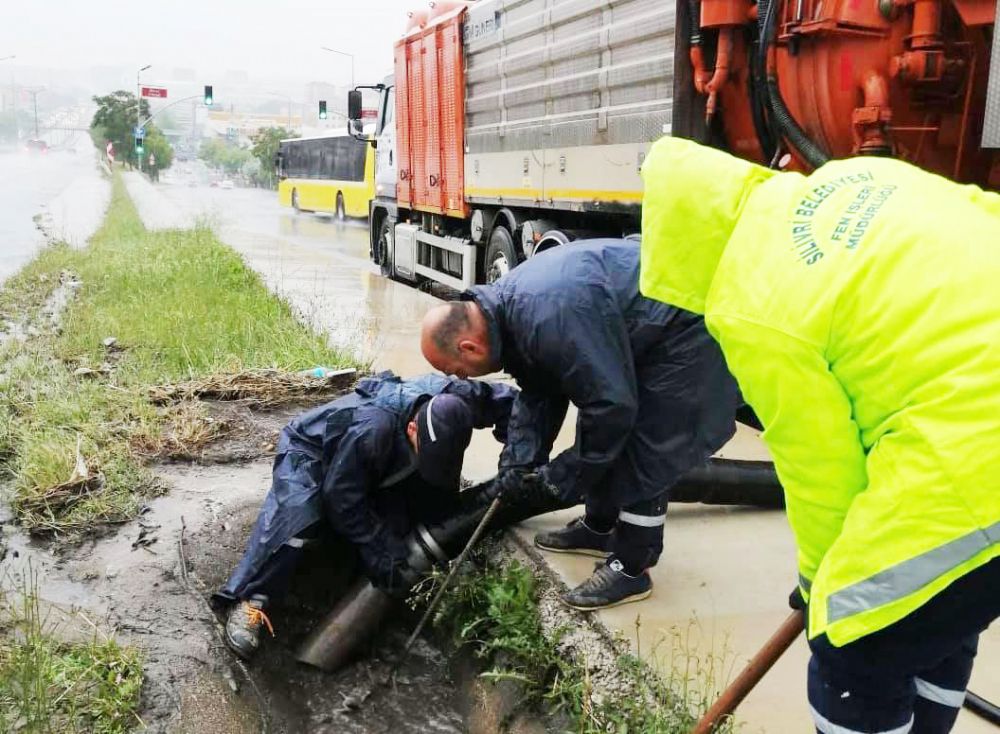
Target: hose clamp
<point x="431" y="544"/>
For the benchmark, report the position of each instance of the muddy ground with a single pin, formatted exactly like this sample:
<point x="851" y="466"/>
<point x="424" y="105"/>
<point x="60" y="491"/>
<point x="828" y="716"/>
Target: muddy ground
<point x="145" y="593"/>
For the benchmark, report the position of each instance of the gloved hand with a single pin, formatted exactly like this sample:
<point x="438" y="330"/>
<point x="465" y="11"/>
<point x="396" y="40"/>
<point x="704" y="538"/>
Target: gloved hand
<point x="516" y="486"/>
<point x="795" y="600"/>
<point x="396" y="578"/>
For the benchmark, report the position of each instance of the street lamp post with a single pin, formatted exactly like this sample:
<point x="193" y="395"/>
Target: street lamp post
<point x="138" y="109"/>
<point x="342" y="53"/>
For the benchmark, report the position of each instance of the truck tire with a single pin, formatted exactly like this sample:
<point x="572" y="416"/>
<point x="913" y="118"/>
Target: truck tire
<point x="501" y="255"/>
<point x="341" y="213"/>
<point x="383" y="247"/>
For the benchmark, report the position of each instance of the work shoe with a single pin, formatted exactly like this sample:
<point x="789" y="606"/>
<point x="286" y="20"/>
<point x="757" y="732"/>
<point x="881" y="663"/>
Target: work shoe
<point x="609" y="586"/>
<point x="243" y="627"/>
<point x="576" y="537"/>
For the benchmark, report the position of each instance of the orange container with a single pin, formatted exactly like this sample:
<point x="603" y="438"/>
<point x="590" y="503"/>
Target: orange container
<point x="430" y="114"/>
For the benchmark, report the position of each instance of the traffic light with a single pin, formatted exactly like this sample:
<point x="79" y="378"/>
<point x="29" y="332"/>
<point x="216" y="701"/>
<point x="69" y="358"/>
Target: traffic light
<point x="322" y="109"/>
<point x="208" y="95"/>
<point x="139" y="147"/>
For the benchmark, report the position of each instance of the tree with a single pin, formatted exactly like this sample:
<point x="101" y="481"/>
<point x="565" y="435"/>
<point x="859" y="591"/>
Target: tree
<point x="220" y="154"/>
<point x="265" y="147"/>
<point x="115" y="120"/>
<point x="158" y="147"/>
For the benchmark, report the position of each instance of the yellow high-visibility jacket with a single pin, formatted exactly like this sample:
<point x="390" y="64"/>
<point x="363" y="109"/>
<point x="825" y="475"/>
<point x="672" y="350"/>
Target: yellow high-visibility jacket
<point x="859" y="309"/>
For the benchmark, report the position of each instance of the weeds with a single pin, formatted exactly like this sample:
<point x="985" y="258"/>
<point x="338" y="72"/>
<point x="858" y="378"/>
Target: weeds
<point x="47" y="685"/>
<point x="150" y="308"/>
<point x="495" y="612"/>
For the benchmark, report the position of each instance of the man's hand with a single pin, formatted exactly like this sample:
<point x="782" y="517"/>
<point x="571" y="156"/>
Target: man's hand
<point x="397" y="579"/>
<point x="795" y="600"/>
<point x="518" y="485"/>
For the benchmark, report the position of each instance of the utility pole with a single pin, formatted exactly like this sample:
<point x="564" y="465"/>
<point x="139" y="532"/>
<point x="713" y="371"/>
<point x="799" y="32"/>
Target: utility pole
<point x="34" y="100"/>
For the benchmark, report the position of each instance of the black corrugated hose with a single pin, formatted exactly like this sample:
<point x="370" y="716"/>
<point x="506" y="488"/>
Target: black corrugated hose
<point x="767" y="17"/>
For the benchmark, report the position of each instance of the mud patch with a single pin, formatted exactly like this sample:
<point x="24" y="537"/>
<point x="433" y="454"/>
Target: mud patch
<point x="421" y="695"/>
<point x="139" y="592"/>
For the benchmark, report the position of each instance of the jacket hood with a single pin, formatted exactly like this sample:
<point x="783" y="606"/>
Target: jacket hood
<point x="693" y="198"/>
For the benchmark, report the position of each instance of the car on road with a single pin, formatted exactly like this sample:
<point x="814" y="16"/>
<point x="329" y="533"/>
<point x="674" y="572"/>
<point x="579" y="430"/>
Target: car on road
<point x="36" y="146"/>
<point x="226" y="184"/>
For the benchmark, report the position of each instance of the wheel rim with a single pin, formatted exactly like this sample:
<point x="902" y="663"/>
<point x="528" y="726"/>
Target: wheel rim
<point x="499" y="267"/>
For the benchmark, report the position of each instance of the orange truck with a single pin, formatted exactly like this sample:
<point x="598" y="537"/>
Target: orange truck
<point x="513" y="126"/>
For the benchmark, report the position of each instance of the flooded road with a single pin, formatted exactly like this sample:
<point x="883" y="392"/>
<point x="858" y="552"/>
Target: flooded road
<point x="61" y="191"/>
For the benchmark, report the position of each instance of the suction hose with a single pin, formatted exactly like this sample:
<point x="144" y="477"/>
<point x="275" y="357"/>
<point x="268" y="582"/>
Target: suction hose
<point x="981" y="707"/>
<point x="787" y="125"/>
<point x="357" y="615"/>
<point x="727" y="482"/>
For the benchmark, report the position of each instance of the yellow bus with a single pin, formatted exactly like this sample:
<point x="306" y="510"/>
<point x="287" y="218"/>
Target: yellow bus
<point x="332" y="173"/>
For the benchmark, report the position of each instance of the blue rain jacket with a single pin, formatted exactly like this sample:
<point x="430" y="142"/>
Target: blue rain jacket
<point x="653" y="394"/>
<point x="331" y="461"/>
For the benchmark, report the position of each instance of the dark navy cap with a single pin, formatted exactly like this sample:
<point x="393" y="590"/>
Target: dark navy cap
<point x="445" y="430"/>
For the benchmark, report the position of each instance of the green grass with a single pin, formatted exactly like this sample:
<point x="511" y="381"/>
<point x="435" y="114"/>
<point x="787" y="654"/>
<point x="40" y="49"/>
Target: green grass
<point x="494" y="610"/>
<point x="181" y="305"/>
<point x="48" y="685"/>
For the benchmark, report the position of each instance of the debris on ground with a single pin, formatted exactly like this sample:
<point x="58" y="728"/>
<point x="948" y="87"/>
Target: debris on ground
<point x="86" y="481"/>
<point x="261" y="388"/>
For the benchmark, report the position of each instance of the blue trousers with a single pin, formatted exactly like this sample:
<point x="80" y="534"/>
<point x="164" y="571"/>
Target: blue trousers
<point x="912" y="675"/>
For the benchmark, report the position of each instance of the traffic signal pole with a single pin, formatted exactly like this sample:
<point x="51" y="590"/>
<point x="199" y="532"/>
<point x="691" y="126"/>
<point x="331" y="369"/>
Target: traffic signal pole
<point x="138" y="113"/>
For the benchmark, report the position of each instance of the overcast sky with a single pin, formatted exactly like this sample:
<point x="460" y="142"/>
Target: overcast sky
<point x="268" y="40"/>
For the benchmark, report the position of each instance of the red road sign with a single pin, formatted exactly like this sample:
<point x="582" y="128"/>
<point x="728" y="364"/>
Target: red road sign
<point x="159" y="92"/>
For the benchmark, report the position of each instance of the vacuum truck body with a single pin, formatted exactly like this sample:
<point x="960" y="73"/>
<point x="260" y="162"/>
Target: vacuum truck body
<point x="512" y="126"/>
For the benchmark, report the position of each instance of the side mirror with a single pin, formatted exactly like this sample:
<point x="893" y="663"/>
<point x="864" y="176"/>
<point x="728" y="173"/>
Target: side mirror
<point x="354" y="105"/>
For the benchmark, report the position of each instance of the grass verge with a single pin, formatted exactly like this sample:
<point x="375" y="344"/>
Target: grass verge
<point x="48" y="685"/>
<point x="495" y="611"/>
<point x="74" y="406"/>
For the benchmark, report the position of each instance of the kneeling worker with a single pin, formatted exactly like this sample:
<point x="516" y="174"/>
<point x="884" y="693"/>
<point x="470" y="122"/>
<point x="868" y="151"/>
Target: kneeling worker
<point x="366" y="466"/>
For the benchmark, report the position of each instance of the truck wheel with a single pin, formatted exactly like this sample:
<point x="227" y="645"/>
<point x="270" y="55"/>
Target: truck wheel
<point x="383" y="247"/>
<point x="295" y="200"/>
<point x="501" y="255"/>
<point x="341" y="214"/>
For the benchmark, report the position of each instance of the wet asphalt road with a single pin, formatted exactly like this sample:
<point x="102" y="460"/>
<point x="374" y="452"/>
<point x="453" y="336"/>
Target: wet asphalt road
<point x="29" y="183"/>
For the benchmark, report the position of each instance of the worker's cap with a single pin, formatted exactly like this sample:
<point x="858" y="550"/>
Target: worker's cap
<point x="445" y="429"/>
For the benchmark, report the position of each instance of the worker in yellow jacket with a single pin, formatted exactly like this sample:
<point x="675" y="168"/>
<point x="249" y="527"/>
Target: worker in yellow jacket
<point x="859" y="309"/>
